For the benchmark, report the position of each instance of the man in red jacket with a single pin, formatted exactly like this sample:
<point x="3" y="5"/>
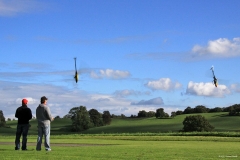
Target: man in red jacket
<point x="24" y="114"/>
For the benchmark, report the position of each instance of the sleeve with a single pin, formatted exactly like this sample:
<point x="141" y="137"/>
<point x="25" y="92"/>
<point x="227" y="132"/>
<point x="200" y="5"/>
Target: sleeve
<point x="16" y="113"/>
<point x="49" y="116"/>
<point x="30" y="114"/>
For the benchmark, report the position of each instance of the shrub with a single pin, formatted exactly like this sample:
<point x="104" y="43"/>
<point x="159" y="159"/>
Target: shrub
<point x="196" y="123"/>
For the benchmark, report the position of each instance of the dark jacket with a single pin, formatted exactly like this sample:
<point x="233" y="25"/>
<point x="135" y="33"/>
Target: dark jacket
<point x="24" y="114"/>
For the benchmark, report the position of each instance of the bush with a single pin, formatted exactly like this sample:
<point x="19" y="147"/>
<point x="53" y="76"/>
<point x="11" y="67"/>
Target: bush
<point x="2" y="119"/>
<point x="106" y="118"/>
<point x="196" y="123"/>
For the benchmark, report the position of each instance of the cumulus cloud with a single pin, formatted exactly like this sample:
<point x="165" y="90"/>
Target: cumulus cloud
<point x="207" y="89"/>
<point x="109" y="73"/>
<point x="154" y="101"/>
<point x="165" y="84"/>
<point x="30" y="100"/>
<point x="14" y="7"/>
<point x="60" y="99"/>
<point x="221" y="47"/>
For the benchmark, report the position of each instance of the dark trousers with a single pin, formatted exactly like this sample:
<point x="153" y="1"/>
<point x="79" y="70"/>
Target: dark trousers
<point x="22" y="129"/>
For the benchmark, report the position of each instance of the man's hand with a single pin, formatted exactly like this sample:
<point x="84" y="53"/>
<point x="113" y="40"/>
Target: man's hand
<point x="52" y="118"/>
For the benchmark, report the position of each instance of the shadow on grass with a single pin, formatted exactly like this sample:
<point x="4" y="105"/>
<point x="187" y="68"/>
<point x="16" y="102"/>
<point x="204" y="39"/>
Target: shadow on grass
<point x="222" y="115"/>
<point x="4" y="149"/>
<point x="165" y="118"/>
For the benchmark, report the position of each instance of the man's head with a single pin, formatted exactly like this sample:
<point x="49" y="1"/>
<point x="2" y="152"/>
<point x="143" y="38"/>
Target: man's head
<point x="24" y="101"/>
<point x="43" y="99"/>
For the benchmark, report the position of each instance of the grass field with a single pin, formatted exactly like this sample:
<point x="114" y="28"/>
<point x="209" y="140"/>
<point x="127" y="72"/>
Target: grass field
<point x="220" y="121"/>
<point x="146" y="138"/>
<point x="126" y="147"/>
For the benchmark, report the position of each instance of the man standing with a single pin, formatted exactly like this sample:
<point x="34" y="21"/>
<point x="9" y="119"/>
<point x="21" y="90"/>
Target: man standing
<point x="44" y="118"/>
<point x="24" y="114"/>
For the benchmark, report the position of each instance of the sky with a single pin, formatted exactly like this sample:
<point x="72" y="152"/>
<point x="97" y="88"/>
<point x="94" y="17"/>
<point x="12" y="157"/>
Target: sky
<point x="132" y="55"/>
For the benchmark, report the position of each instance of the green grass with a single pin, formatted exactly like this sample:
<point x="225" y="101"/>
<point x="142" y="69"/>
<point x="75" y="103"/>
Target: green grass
<point x="139" y="138"/>
<point x="220" y="121"/>
<point x="126" y="147"/>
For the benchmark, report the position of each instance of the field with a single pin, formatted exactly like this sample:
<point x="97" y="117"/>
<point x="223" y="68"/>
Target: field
<point x="148" y="138"/>
<point x="220" y="121"/>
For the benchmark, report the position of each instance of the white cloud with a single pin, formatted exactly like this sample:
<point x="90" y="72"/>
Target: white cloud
<point x="60" y="99"/>
<point x="14" y="7"/>
<point x="221" y="47"/>
<point x="126" y="92"/>
<point x="235" y="87"/>
<point x="154" y="101"/>
<point x="109" y="73"/>
<point x="207" y="89"/>
<point x="165" y="84"/>
<point x="30" y="100"/>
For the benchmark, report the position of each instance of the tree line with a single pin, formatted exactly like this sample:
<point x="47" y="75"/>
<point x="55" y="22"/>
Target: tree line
<point x="83" y="119"/>
<point x="233" y="110"/>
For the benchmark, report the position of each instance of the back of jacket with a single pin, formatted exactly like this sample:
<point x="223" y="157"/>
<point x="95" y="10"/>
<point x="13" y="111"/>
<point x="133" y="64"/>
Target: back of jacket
<point x="24" y="114"/>
<point x="43" y="115"/>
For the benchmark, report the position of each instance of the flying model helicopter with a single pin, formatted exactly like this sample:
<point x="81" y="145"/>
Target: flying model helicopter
<point x="215" y="81"/>
<point x="76" y="73"/>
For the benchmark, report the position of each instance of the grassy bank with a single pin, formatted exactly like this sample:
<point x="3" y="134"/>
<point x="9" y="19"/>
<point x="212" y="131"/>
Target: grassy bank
<point x="223" y="125"/>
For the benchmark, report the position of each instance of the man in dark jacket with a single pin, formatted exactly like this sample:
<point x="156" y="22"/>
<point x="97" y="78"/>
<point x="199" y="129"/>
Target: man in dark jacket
<point x="24" y="114"/>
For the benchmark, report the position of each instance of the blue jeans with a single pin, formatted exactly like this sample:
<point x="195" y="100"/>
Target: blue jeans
<point x="46" y="132"/>
<point x="22" y="129"/>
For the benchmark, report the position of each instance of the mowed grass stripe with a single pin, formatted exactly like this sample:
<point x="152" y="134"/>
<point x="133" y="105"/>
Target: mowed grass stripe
<point x="130" y="149"/>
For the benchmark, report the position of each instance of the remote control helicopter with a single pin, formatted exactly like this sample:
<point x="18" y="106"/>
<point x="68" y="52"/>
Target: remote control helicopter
<point x="215" y="81"/>
<point x="76" y="73"/>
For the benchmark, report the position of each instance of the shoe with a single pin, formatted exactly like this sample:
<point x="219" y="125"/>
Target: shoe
<point x="48" y="149"/>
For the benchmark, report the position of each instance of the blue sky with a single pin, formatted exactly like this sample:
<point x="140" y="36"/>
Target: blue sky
<point x="132" y="55"/>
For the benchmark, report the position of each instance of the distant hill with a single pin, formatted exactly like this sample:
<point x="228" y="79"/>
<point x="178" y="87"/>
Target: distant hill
<point x="220" y="120"/>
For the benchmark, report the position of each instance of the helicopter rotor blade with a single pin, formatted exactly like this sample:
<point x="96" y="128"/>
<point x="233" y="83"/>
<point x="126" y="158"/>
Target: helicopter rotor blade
<point x="75" y="63"/>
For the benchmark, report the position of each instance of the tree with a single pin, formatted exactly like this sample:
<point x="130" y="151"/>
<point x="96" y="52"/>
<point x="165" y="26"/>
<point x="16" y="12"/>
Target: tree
<point x="133" y="116"/>
<point x="95" y="117"/>
<point x="179" y="112"/>
<point x="72" y="112"/>
<point x="9" y="119"/>
<point x="196" y="123"/>
<point x="173" y="114"/>
<point x="160" y="113"/>
<point x="106" y="118"/>
<point x="234" y="110"/>
<point x="151" y="114"/>
<point x="216" y="109"/>
<point x="123" y="116"/>
<point x="200" y="109"/>
<point x="2" y="119"/>
<point x="67" y="116"/>
<point x="188" y="110"/>
<point x="57" y="117"/>
<point x="228" y="109"/>
<point x="142" y="113"/>
<point x="80" y="118"/>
